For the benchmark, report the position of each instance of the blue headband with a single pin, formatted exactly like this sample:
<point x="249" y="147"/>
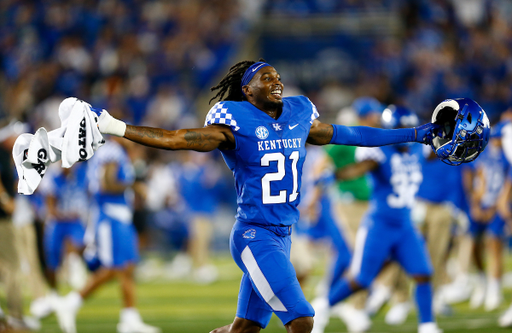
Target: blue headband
<point x="250" y="72"/>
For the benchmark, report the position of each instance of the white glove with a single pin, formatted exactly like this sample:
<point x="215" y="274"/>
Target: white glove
<point x="110" y="125"/>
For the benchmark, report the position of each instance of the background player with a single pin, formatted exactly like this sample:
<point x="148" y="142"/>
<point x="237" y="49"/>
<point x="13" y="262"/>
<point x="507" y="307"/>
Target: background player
<point x="262" y="138"/>
<point x="433" y="215"/>
<point x="387" y="230"/>
<point x="67" y="205"/>
<point x="485" y="221"/>
<point x="110" y="175"/>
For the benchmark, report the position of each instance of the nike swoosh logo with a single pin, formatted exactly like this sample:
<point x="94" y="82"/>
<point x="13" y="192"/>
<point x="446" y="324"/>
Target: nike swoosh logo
<point x="292" y="127"/>
<point x="256" y="68"/>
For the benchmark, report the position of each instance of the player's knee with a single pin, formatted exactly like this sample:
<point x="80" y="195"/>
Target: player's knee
<point x="359" y="283"/>
<point x="300" y="325"/>
<point x="423" y="278"/>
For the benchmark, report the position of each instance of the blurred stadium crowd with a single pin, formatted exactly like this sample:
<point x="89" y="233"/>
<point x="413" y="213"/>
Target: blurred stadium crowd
<point x="152" y="63"/>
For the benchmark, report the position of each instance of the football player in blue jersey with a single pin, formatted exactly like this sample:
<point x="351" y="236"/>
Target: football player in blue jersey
<point x="67" y="202"/>
<point x="491" y="171"/>
<point x="114" y="240"/>
<point x="504" y="201"/>
<point x="262" y="138"/>
<point x="387" y="231"/>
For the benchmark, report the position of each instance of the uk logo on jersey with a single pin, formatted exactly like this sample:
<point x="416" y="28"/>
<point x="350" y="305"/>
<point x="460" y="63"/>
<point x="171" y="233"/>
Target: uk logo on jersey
<point x="277" y="127"/>
<point x="249" y="234"/>
<point x="262" y="132"/>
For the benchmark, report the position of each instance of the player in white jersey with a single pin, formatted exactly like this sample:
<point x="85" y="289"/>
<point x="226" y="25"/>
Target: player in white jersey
<point x="262" y="138"/>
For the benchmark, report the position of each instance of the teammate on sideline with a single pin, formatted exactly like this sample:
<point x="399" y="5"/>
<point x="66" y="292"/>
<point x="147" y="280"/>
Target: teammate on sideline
<point x="387" y="229"/>
<point x="110" y="175"/>
<point x="65" y="192"/>
<point x="262" y="138"/>
<point x="491" y="169"/>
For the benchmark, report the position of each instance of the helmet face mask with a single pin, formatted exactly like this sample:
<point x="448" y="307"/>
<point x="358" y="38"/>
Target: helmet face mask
<point x="463" y="133"/>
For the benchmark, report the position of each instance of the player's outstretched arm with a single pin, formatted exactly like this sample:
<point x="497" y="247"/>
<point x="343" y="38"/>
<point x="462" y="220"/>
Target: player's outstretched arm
<point x="199" y="139"/>
<point x="321" y="134"/>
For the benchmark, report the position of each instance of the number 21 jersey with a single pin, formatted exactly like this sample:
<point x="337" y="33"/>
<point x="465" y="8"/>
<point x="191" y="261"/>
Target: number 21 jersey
<point x="268" y="158"/>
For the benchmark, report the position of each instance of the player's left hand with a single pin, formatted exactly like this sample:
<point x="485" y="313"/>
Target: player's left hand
<point x="425" y="133"/>
<point x="108" y="124"/>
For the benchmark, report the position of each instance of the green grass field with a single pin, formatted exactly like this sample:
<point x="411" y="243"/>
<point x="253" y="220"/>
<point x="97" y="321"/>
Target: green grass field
<point x="187" y="307"/>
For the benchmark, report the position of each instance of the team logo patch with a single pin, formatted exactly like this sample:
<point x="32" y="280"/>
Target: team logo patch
<point x="277" y="127"/>
<point x="262" y="132"/>
<point x="249" y="234"/>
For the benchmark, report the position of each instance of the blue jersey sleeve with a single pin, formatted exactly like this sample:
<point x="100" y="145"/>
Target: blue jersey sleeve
<point x="369" y="136"/>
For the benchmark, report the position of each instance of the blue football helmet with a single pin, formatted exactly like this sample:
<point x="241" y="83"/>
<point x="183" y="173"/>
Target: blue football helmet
<point x="464" y="131"/>
<point x="398" y="116"/>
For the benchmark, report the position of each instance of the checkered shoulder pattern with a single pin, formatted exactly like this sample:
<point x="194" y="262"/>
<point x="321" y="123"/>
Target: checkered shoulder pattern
<point x="315" y="113"/>
<point x="219" y="114"/>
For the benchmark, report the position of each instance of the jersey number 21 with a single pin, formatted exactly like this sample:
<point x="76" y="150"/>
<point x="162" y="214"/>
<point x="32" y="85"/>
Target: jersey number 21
<point x="268" y="198"/>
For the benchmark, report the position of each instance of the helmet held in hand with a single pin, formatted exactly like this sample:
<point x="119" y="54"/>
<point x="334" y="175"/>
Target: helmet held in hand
<point x="464" y="130"/>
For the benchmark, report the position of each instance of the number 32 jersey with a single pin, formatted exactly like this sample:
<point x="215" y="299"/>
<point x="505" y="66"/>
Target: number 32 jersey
<point x="268" y="158"/>
<point x="395" y="182"/>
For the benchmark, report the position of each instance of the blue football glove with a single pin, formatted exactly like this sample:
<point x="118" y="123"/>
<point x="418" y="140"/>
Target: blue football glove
<point x="425" y="133"/>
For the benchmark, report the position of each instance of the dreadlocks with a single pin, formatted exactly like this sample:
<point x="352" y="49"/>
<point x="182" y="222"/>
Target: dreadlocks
<point x="230" y="83"/>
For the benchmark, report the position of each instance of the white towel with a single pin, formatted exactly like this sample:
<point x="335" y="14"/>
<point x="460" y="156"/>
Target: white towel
<point x="82" y="136"/>
<point x="31" y="155"/>
<point x="76" y="140"/>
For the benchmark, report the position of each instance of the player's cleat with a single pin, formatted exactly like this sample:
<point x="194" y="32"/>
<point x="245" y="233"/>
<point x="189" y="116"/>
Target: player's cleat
<point x="205" y="274"/>
<point x="322" y="313"/>
<point x="148" y="270"/>
<point x="22" y="325"/>
<point x="429" y="328"/>
<point x="440" y="306"/>
<point x="179" y="268"/>
<point x="356" y="320"/>
<point x="493" y="296"/>
<point x="505" y="320"/>
<point x="378" y="297"/>
<point x="137" y="327"/>
<point x="398" y="313"/>
<point x="66" y="309"/>
<point x="478" y="296"/>
<point x="42" y="307"/>
<point x="457" y="292"/>
<point x="131" y="322"/>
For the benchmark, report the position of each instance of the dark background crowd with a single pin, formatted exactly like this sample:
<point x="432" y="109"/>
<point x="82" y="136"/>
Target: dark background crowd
<point x="153" y="62"/>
